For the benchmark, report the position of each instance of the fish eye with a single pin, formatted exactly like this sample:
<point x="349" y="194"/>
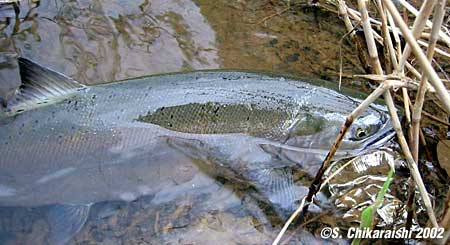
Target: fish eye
<point x="361" y="133"/>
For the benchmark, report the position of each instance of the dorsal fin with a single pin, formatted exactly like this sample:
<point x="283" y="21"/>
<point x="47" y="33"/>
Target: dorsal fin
<point x="40" y="86"/>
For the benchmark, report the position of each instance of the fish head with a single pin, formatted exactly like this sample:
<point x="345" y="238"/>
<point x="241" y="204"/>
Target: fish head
<point x="319" y="131"/>
<point x="369" y="130"/>
<point x="365" y="127"/>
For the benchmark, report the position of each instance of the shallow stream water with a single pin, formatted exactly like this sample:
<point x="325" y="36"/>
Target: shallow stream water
<point x="100" y="41"/>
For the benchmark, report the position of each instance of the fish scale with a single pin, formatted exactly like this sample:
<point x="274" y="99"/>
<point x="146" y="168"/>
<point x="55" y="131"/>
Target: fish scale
<point x="215" y="118"/>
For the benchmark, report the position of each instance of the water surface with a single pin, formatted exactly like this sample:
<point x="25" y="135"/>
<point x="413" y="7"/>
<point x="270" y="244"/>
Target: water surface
<point x="99" y="41"/>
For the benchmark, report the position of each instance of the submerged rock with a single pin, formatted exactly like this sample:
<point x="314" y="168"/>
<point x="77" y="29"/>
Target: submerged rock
<point x="9" y="76"/>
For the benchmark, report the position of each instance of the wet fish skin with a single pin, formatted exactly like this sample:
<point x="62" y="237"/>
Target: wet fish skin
<point x="216" y="118"/>
<point x="74" y="151"/>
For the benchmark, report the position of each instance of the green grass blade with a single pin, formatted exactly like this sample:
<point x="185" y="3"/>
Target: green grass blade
<point x="368" y="214"/>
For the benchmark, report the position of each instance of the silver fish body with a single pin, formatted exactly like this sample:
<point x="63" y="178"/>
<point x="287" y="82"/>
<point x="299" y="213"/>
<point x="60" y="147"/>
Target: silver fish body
<point x="97" y="145"/>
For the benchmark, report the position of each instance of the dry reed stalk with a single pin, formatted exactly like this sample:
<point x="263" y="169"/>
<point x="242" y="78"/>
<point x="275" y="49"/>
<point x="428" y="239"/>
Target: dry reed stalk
<point x="388" y="43"/>
<point x="443" y="92"/>
<point x="342" y="7"/>
<point x="411" y="163"/>
<point x="392" y="111"/>
<point x="413" y="71"/>
<point x="382" y="10"/>
<point x="417" y="29"/>
<point x="406" y="101"/>
<point x="437" y="50"/>
<point x="417" y="109"/>
<point x="265" y="19"/>
<point x="395" y="32"/>
<point x="414" y="11"/>
<point x="417" y="74"/>
<point x="371" y="45"/>
<point x="374" y="77"/>
<point x="396" y="82"/>
<point x="356" y="16"/>
<point x="386" y="35"/>
<point x="426" y="36"/>
<point x="288" y="222"/>
<point x="432" y="76"/>
<point x="420" y="97"/>
<point x="436" y="119"/>
<point x="343" y="12"/>
<point x="389" y="14"/>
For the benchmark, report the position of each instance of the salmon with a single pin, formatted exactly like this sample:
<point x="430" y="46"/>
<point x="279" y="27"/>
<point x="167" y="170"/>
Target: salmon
<point x="63" y="143"/>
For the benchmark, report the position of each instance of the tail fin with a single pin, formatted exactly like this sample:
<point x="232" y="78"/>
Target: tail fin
<point x="40" y="86"/>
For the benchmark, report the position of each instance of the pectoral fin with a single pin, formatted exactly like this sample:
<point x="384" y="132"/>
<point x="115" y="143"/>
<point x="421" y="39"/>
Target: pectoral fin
<point x="65" y="221"/>
<point x="277" y="185"/>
